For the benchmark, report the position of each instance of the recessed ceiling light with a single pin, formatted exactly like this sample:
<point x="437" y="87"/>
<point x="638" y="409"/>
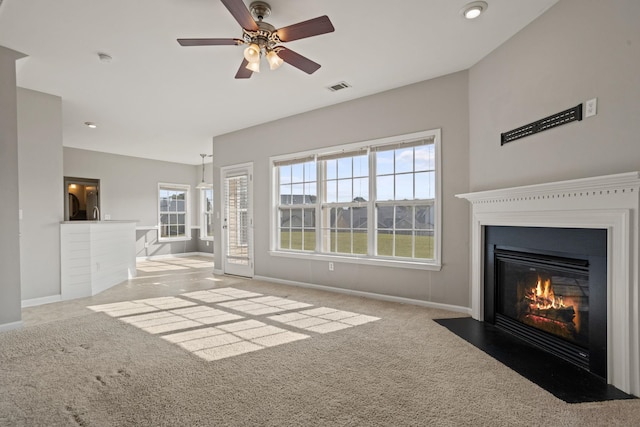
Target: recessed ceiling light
<point x="91" y="125"/>
<point x="474" y="9"/>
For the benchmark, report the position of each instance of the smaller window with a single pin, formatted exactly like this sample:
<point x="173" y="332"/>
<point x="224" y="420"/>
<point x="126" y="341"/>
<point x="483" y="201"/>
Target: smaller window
<point x="206" y="214"/>
<point x="173" y="212"/>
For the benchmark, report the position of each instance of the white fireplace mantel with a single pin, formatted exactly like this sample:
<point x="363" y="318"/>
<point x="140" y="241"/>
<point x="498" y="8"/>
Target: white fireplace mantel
<point x="609" y="202"/>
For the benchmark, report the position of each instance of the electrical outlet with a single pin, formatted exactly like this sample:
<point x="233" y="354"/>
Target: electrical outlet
<point x="107" y="217"/>
<point x="330" y="266"/>
<point x="591" y="107"/>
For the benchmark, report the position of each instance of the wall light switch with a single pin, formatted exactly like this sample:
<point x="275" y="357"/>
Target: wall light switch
<point x="591" y="107"/>
<point x="19" y="213"/>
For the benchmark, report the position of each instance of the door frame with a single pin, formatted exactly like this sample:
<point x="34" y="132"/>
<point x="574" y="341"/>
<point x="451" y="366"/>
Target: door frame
<point x="230" y="172"/>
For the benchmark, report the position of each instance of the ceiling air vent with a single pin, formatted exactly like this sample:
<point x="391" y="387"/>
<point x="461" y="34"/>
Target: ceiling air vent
<point x="338" y="86"/>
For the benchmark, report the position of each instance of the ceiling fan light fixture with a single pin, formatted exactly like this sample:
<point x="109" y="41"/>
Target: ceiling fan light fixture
<point x="254" y="66"/>
<point x="252" y="53"/>
<point x="474" y="9"/>
<point x="274" y="60"/>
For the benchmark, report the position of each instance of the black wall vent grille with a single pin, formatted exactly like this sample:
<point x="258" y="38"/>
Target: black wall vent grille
<point x="558" y="119"/>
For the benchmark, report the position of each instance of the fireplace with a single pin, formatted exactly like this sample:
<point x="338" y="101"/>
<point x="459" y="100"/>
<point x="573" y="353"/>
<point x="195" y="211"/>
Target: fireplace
<point x="610" y="203"/>
<point x="547" y="286"/>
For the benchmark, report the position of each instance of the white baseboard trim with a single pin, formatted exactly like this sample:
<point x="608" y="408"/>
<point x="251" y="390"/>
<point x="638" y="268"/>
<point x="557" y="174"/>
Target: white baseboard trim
<point x="11" y="326"/>
<point x="428" y="304"/>
<point x="169" y="256"/>
<point x="40" y="301"/>
<point x="218" y="271"/>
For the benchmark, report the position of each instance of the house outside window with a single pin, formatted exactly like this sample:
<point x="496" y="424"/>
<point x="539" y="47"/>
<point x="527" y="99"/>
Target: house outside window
<point x="376" y="201"/>
<point x="173" y="212"/>
<point x="206" y="214"/>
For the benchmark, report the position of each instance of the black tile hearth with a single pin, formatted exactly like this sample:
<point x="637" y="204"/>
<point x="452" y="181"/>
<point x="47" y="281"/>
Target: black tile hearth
<point x="557" y="376"/>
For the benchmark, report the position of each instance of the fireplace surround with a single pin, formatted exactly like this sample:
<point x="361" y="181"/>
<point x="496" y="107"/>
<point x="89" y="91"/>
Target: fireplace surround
<point x="548" y="286"/>
<point x="610" y="203"/>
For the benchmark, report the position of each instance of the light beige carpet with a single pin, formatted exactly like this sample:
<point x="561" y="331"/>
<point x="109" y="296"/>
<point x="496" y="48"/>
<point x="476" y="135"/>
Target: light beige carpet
<point x="399" y="368"/>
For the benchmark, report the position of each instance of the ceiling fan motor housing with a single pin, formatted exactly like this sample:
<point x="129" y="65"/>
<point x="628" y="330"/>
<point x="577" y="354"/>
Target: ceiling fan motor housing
<point x="266" y="37"/>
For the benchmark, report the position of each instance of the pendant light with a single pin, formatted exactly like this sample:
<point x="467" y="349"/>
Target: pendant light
<point x="202" y="184"/>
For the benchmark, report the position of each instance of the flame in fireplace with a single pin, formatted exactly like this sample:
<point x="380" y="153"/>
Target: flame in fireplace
<point x="545" y="306"/>
<point x="543" y="296"/>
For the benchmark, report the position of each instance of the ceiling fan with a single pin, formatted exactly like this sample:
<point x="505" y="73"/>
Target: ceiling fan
<point x="263" y="38"/>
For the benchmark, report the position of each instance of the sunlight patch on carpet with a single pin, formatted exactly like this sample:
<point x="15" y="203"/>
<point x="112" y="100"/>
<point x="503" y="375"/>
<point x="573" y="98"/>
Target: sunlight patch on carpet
<point x="323" y="319"/>
<point x="219" y="295"/>
<point x="232" y="339"/>
<point x="188" y="324"/>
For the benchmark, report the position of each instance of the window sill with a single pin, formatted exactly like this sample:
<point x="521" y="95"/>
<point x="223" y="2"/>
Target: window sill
<point x="173" y="239"/>
<point x="379" y="262"/>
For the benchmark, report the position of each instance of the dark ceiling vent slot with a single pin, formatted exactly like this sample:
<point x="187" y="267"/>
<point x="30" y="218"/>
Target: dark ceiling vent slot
<point x="338" y="86"/>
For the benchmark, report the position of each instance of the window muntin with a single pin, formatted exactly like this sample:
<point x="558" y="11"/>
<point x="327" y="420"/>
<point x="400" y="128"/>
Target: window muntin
<point x="206" y="214"/>
<point x="296" y="208"/>
<point x="376" y="200"/>
<point x="405" y="230"/>
<point x="173" y="218"/>
<point x="345" y="181"/>
<point x="405" y="188"/>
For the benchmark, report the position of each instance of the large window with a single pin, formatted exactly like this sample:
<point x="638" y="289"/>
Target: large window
<point x="206" y="214"/>
<point x="173" y="212"/>
<point x="376" y="200"/>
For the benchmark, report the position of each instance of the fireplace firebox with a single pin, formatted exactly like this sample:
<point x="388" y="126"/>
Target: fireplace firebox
<point x="547" y="286"/>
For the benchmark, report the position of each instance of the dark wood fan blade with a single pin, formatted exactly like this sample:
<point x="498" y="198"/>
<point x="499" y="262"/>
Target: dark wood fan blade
<point x="243" y="71"/>
<point x="241" y="14"/>
<point x="301" y="30"/>
<point x="209" y="42"/>
<point x="298" y="61"/>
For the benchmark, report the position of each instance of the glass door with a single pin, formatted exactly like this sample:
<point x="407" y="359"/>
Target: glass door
<point x="237" y="225"/>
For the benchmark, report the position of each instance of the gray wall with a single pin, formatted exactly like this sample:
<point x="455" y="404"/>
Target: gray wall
<point x="577" y="50"/>
<point x="41" y="189"/>
<point x="439" y="103"/>
<point x="129" y="191"/>
<point x="10" y="315"/>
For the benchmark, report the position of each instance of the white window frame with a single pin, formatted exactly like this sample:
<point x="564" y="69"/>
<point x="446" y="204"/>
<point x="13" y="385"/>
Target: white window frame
<point x="428" y="264"/>
<point x="187" y="211"/>
<point x="204" y="212"/>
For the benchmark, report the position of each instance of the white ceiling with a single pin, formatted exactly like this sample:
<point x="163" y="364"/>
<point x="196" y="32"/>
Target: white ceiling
<point x="159" y="100"/>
